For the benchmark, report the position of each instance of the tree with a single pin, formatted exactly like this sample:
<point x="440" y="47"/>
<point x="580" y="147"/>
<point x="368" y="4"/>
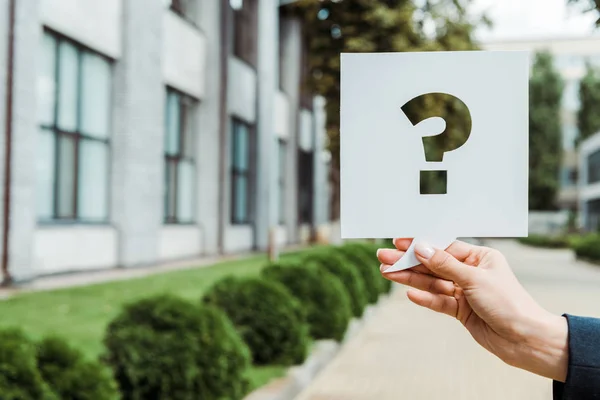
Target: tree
<point x="588" y="117"/>
<point x="335" y="26"/>
<point x="545" y="94"/>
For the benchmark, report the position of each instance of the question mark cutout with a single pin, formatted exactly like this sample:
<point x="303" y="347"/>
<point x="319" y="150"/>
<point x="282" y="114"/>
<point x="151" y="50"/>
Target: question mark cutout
<point x="458" y="120"/>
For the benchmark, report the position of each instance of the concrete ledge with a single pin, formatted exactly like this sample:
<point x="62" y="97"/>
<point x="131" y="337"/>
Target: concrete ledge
<point x="323" y="352"/>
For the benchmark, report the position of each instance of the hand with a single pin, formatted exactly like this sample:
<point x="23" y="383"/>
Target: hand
<point x="475" y="285"/>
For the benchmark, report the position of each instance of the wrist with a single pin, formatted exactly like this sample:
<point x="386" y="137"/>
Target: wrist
<point x="546" y="347"/>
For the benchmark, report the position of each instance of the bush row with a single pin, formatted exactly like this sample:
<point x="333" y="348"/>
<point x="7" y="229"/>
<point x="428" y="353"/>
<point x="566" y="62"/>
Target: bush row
<point x="49" y="370"/>
<point x="165" y="347"/>
<point x="584" y="246"/>
<point x="551" y="242"/>
<point x="587" y="247"/>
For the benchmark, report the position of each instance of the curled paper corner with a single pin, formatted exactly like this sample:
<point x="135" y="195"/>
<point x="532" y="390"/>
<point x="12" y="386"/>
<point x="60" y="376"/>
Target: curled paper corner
<point x="409" y="260"/>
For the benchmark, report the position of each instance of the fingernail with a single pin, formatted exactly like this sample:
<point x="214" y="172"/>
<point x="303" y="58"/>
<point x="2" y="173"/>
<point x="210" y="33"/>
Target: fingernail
<point x="377" y="253"/>
<point x="424" y="250"/>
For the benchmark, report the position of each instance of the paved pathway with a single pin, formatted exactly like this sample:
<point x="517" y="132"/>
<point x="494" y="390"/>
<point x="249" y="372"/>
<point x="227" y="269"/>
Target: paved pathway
<point x="406" y="352"/>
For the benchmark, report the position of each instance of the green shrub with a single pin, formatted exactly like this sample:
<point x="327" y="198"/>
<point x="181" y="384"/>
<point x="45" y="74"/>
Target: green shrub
<point x="322" y="295"/>
<point x="167" y="348"/>
<point x="367" y="268"/>
<point x="269" y="319"/>
<point x="388" y="243"/>
<point x="70" y="376"/>
<point x="20" y="378"/>
<point x="552" y="242"/>
<point x="370" y="253"/>
<point x="350" y="277"/>
<point x="587" y="247"/>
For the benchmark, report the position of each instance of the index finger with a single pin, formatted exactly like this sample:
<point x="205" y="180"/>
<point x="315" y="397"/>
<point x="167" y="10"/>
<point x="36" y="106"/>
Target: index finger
<point x="462" y="250"/>
<point x="402" y="244"/>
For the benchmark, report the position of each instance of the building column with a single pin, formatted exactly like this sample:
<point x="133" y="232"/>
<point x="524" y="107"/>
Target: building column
<point x="3" y="53"/>
<point x="27" y="36"/>
<point x="138" y="136"/>
<point x="267" y="71"/>
<point x="320" y="184"/>
<point x="291" y="35"/>
<point x="209" y="120"/>
<point x="583" y="217"/>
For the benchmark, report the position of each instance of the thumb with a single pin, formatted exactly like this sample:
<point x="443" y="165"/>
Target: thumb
<point x="444" y="264"/>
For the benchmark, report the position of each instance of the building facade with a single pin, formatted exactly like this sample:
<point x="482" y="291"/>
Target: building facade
<point x="143" y="131"/>
<point x="570" y="57"/>
<point x="589" y="183"/>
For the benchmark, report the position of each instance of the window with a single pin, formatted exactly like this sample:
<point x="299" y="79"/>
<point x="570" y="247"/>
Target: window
<point x="240" y="173"/>
<point x="593" y="216"/>
<point x="282" y="154"/>
<point x="305" y="183"/>
<point x="245" y="32"/>
<point x="72" y="163"/>
<point x="594" y="167"/>
<point x="568" y="177"/>
<point x="180" y="169"/>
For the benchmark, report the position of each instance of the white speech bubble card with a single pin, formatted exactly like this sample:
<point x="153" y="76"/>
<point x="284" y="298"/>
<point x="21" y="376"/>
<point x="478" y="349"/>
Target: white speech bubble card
<point x="394" y="104"/>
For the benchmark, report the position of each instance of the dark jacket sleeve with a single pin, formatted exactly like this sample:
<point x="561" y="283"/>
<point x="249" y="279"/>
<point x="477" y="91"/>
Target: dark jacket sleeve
<point x="583" y="375"/>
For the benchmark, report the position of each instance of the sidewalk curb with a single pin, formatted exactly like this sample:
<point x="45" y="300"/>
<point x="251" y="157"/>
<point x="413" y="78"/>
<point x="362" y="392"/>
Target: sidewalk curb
<point x="299" y="377"/>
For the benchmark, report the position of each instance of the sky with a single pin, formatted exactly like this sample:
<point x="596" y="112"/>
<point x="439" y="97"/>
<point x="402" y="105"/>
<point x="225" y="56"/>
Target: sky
<point x="520" y="19"/>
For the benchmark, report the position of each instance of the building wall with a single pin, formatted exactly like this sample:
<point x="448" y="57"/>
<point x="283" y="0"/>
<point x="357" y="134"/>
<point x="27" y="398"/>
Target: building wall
<point x="583" y="46"/>
<point x="321" y="187"/>
<point x="24" y="129"/>
<point x="96" y="24"/>
<point x="74" y="248"/>
<point x="281" y="116"/>
<point x="266" y="212"/>
<point x="183" y="55"/>
<point x="282" y="132"/>
<point x="209" y="131"/>
<point x="570" y="55"/>
<point x="137" y="137"/>
<point x="3" y="53"/>
<point x="306" y="132"/>
<point x="588" y="192"/>
<point x="241" y="90"/>
<point x="179" y="241"/>
<point x="289" y="82"/>
<point x="150" y="49"/>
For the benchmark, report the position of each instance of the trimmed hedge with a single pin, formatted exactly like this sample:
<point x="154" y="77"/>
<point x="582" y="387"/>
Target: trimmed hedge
<point x="350" y="277"/>
<point x="587" y="247"/>
<point x="551" y="242"/>
<point x="388" y="243"/>
<point x="167" y="348"/>
<point x="270" y="320"/>
<point x="70" y="376"/>
<point x="20" y="378"/>
<point x="366" y="267"/>
<point x="322" y="295"/>
<point x="370" y="253"/>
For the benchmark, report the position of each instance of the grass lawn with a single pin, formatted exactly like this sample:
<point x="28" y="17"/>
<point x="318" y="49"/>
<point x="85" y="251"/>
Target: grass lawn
<point x="81" y="314"/>
<point x="260" y="376"/>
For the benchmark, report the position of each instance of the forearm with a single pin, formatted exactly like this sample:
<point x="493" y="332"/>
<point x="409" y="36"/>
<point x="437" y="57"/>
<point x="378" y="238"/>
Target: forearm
<point x="542" y="347"/>
<point x="547" y="350"/>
